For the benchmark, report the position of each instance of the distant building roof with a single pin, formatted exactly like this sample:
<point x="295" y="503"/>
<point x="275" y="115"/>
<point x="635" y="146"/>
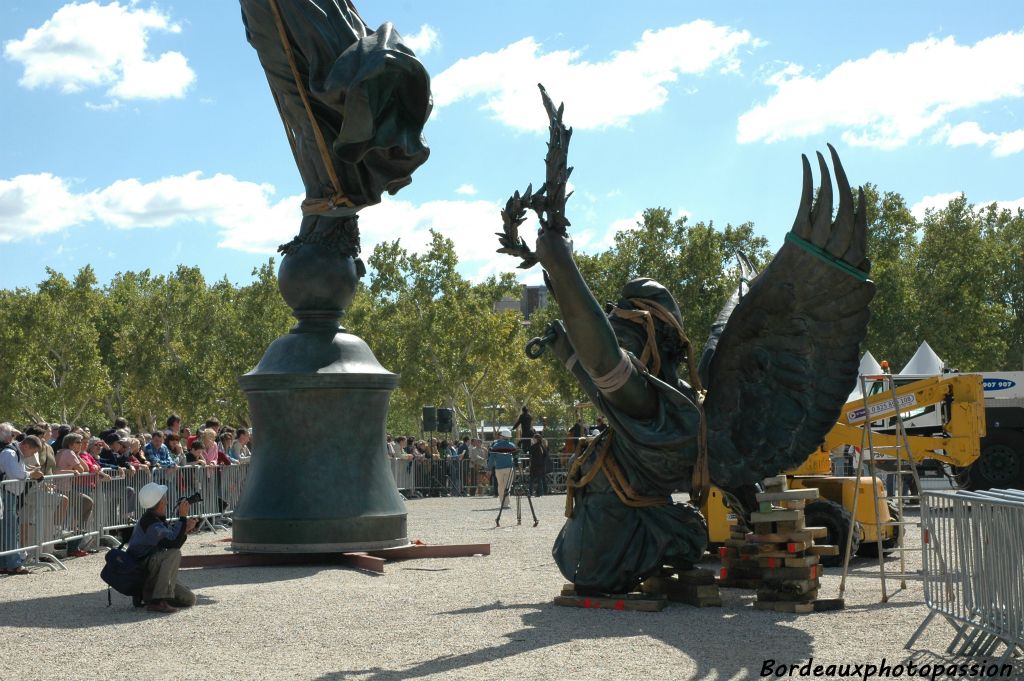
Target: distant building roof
<point x="530" y="299"/>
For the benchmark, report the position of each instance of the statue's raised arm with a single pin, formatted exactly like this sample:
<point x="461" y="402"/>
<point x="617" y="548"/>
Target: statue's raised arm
<point x="590" y="341"/>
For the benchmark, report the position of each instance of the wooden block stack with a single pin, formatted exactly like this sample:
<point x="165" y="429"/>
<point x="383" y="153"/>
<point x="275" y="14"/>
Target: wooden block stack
<point x="779" y="558"/>
<point x="695" y="587"/>
<point x="631" y="601"/>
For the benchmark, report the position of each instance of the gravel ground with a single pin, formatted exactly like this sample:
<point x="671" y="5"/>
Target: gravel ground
<point x="473" y="618"/>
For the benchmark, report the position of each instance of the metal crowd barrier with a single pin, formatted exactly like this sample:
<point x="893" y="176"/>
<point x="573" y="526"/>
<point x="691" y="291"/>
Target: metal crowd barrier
<point x="83" y="510"/>
<point x="438" y="477"/>
<point x="423" y="477"/>
<point x="38" y="515"/>
<point x="79" y="510"/>
<point x="974" y="568"/>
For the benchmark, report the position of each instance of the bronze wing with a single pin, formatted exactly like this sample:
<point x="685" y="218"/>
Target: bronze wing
<point x="788" y="356"/>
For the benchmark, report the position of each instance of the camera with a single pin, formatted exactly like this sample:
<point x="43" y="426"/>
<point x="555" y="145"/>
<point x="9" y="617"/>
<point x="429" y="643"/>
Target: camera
<point x="192" y="500"/>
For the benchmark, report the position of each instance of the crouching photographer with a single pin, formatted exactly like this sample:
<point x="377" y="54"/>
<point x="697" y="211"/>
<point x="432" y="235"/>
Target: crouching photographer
<point x="156" y="544"/>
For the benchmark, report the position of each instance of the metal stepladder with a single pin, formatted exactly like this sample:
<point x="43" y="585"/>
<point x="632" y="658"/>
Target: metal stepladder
<point x="905" y="467"/>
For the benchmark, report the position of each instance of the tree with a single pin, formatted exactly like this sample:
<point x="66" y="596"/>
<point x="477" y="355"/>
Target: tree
<point x="895" y="331"/>
<point x="958" y="286"/>
<point x="1006" y="231"/>
<point x="441" y="332"/>
<point x="146" y="345"/>
<point x="54" y="370"/>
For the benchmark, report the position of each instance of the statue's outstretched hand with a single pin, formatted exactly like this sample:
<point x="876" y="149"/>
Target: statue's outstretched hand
<point x="553" y="249"/>
<point x="560" y="344"/>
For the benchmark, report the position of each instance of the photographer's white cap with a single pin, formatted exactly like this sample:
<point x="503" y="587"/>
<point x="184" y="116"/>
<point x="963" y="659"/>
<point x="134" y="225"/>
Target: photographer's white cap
<point x="505" y="432"/>
<point x="151" y="494"/>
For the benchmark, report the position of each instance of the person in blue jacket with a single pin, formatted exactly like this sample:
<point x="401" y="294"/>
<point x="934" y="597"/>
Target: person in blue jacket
<point x="500" y="461"/>
<point x="157" y="543"/>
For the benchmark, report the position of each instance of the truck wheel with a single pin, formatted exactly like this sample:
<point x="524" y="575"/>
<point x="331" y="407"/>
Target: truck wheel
<point x="1001" y="463"/>
<point x="836" y="519"/>
<point x="870" y="548"/>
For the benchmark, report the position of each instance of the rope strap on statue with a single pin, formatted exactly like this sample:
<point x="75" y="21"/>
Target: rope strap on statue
<point x="617" y="377"/>
<point x="571" y="362"/>
<point x="617" y="480"/>
<point x="311" y="206"/>
<point x="650" y="351"/>
<point x="700" y="480"/>
<point x="822" y="254"/>
<point x="659" y="311"/>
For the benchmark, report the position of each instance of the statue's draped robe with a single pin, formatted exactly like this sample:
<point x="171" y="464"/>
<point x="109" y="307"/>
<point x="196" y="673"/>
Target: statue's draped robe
<point x="611" y="547"/>
<point x="368" y="92"/>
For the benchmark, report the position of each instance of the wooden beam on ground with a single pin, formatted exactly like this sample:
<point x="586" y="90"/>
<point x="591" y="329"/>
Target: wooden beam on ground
<point x="414" y="551"/>
<point x="372" y="561"/>
<point x="364" y="561"/>
<point x="259" y="559"/>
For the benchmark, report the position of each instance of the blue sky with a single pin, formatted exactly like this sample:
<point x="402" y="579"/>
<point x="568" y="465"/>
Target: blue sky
<point x="141" y="135"/>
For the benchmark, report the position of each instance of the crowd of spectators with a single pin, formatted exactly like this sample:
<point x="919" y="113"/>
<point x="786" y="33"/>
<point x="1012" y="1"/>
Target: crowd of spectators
<point x="40" y="450"/>
<point x="466" y="467"/>
<point x="37" y="451"/>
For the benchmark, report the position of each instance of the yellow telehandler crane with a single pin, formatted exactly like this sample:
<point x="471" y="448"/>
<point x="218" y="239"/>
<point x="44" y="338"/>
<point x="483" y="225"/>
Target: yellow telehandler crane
<point x="960" y="400"/>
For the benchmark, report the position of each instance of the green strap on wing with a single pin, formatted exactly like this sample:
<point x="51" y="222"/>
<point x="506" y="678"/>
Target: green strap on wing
<point x="821" y="253"/>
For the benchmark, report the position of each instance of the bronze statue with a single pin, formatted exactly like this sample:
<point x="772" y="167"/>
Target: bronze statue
<point x="353" y="102"/>
<point x="780" y="362"/>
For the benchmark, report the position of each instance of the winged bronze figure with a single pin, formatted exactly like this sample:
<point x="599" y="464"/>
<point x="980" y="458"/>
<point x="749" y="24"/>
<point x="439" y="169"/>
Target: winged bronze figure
<point x="778" y="365"/>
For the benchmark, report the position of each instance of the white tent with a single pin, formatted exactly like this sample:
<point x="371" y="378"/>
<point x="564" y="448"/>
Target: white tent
<point x="869" y="366"/>
<point x="924" y="363"/>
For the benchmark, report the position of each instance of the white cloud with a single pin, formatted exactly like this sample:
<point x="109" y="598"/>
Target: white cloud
<point x="38" y="204"/>
<point x="627" y="224"/>
<point x="423" y="41"/>
<point x="969" y="132"/>
<point x="249" y="219"/>
<point x="932" y="202"/>
<point x="111" y="105"/>
<point x="1013" y="205"/>
<point x="470" y="224"/>
<point x="939" y="201"/>
<point x="245" y="213"/>
<point x="90" y="45"/>
<point x="595" y="241"/>
<point x="507" y="79"/>
<point x="887" y="99"/>
<point x="466" y="190"/>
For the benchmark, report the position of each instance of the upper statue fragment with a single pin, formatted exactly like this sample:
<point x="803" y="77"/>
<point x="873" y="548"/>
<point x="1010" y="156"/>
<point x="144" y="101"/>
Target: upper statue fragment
<point x="354" y="101"/>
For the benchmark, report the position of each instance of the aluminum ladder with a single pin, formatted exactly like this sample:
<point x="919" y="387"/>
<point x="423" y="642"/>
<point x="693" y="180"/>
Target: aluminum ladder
<point x="904" y="468"/>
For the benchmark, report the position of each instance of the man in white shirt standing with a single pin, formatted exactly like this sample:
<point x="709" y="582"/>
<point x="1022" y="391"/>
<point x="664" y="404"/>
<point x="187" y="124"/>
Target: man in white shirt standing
<point x="14" y="474"/>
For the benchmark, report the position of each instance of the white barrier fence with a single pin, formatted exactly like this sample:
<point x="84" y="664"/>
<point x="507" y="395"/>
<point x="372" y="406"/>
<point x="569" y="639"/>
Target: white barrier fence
<point x="974" y="568"/>
<point x="75" y="510"/>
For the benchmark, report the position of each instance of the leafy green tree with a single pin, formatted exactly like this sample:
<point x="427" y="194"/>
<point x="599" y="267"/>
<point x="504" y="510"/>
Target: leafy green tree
<point x="1005" y="229"/>
<point x="895" y="331"/>
<point x="440" y="332"/>
<point x="146" y="345"/>
<point x="54" y="369"/>
<point x="958" y="287"/>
